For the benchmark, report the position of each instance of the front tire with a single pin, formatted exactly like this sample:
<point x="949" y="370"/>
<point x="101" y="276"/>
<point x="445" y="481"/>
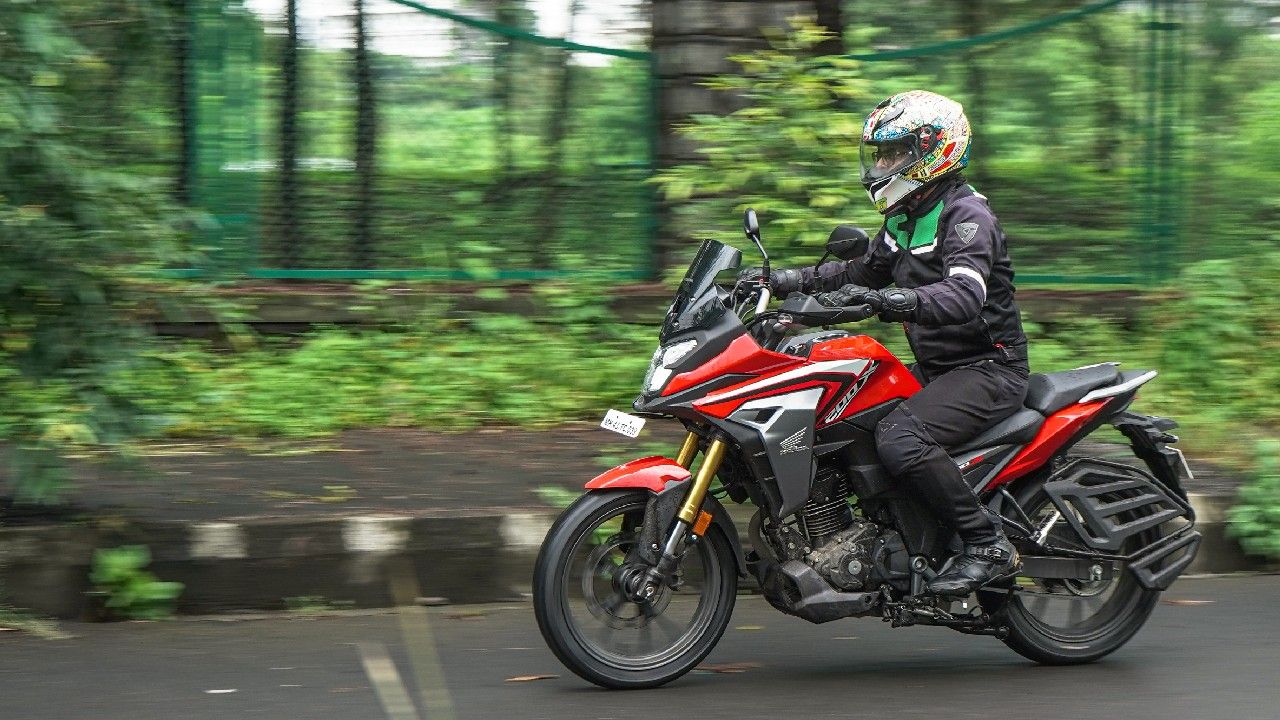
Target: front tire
<point x="1072" y="622"/>
<point x="594" y="630"/>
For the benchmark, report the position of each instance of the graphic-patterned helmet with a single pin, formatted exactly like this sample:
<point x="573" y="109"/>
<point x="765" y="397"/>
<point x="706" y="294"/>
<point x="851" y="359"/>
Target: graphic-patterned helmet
<point x="910" y="140"/>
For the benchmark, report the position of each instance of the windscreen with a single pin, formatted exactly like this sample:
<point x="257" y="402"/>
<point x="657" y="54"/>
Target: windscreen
<point x="696" y="303"/>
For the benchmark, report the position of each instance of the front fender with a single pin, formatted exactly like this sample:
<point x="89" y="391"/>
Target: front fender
<point x="650" y="473"/>
<point x="666" y="479"/>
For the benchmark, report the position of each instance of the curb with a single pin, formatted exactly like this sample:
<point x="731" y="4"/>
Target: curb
<point x="259" y="564"/>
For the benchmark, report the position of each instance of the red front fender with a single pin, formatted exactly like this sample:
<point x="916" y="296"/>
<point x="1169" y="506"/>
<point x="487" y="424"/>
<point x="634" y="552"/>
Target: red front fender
<point x="651" y="473"/>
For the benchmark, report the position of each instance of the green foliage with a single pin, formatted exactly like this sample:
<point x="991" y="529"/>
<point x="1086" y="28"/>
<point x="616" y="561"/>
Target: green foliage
<point x="130" y="590"/>
<point x="563" y="356"/>
<point x="1255" y="519"/>
<point x="792" y="153"/>
<point x="1215" y="342"/>
<point x="73" y="231"/>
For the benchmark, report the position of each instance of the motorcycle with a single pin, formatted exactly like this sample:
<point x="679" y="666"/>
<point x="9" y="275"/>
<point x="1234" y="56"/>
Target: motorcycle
<point x="636" y="581"/>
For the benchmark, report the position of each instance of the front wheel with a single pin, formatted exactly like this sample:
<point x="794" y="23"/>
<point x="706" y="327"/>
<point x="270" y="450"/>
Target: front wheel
<point x="1069" y="622"/>
<point x="590" y="624"/>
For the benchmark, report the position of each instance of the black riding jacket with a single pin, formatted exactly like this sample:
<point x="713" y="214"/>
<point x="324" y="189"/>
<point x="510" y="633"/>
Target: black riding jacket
<point x="953" y="253"/>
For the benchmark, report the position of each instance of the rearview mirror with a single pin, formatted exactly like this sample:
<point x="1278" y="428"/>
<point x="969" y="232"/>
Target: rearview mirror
<point x="751" y="224"/>
<point x="847" y="242"/>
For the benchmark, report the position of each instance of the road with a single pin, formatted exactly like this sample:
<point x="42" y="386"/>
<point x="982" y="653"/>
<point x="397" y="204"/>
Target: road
<point x="1211" y="650"/>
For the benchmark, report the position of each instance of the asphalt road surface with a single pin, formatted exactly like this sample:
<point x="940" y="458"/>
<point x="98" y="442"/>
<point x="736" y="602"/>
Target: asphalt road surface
<point x="1211" y="650"/>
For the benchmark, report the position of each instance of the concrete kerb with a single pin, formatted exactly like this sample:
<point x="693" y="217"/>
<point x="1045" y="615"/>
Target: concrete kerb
<point x="260" y="563"/>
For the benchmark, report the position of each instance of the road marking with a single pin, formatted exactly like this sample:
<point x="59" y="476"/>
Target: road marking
<point x="386" y="681"/>
<point x="415" y="627"/>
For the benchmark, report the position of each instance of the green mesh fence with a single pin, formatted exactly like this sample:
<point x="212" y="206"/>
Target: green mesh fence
<point x="388" y="138"/>
<point x="1078" y="142"/>
<point x="366" y="139"/>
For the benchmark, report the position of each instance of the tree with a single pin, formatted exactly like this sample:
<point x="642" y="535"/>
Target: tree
<point x="290" y="233"/>
<point x="558" y="127"/>
<point x="973" y="22"/>
<point x="74" y="233"/>
<point x="788" y="154"/>
<point x="366" y="143"/>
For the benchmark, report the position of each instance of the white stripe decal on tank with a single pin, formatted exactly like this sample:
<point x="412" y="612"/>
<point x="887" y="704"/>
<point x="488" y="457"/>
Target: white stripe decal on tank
<point x="852" y="367"/>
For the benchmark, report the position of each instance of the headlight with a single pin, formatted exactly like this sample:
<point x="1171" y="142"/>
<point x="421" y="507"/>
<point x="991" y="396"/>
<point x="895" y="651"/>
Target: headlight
<point x="664" y="358"/>
<point x="673" y="354"/>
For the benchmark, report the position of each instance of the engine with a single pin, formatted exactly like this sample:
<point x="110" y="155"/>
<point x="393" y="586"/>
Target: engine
<point x="845" y="558"/>
<point x="840" y="545"/>
<point x="829" y="563"/>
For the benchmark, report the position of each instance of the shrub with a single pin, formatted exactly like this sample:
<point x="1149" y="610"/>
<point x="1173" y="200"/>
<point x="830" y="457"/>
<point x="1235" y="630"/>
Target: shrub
<point x="119" y="574"/>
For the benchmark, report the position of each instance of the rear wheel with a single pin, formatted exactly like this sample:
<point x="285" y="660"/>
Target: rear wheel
<point x="1066" y="622"/>
<point x="595" y="630"/>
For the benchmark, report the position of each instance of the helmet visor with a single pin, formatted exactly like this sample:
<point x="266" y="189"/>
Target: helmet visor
<point x="889" y="157"/>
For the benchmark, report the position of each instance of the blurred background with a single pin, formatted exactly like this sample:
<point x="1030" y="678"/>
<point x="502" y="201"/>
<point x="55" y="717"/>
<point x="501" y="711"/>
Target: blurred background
<point x="236" y="231"/>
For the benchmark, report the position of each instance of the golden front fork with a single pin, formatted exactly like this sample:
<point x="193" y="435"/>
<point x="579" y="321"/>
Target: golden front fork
<point x="698" y="490"/>
<point x="690" y="519"/>
<point x="688" y="450"/>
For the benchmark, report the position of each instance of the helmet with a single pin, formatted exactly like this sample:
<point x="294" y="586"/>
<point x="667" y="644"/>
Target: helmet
<point x="908" y="142"/>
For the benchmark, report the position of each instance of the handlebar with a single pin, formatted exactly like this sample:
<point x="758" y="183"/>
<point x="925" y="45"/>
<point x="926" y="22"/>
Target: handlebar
<point x="807" y="307"/>
<point x="804" y="310"/>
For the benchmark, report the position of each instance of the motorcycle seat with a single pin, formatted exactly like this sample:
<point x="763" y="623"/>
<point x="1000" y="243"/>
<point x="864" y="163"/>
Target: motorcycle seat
<point x="1049" y="393"/>
<point x="1017" y="429"/>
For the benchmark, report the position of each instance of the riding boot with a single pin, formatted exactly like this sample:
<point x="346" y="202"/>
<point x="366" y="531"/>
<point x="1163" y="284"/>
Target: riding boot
<point x="977" y="566"/>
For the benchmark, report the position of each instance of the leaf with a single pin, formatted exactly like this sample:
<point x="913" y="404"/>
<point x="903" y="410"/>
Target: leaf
<point x="729" y="668"/>
<point x="530" y="678"/>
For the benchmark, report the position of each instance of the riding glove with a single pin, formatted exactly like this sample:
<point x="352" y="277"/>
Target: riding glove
<point x="851" y="294"/>
<point x="781" y="282"/>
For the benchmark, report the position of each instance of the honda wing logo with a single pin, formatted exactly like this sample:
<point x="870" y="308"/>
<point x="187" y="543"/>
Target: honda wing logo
<point x="795" y="443"/>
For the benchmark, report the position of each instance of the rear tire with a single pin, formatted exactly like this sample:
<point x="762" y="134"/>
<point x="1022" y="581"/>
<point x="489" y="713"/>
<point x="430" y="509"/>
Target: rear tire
<point x="1122" y="606"/>
<point x="590" y="644"/>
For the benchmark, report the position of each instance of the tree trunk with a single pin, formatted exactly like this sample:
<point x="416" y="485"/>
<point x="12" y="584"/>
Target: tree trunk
<point x="184" y="27"/>
<point x="830" y="18"/>
<point x="557" y="132"/>
<point x="366" y="145"/>
<point x="1110" y="116"/>
<point x="290" y="237"/>
<point x="504" y="96"/>
<point x="973" y="23"/>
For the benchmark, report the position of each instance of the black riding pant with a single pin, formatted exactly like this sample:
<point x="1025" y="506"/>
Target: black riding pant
<point x="951" y="409"/>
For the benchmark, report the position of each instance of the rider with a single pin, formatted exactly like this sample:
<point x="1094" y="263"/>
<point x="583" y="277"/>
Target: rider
<point x="944" y="252"/>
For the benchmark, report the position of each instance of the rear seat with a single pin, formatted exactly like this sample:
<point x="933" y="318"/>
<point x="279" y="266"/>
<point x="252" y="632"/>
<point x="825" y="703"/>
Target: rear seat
<point x="1051" y="392"/>
<point x="1046" y="394"/>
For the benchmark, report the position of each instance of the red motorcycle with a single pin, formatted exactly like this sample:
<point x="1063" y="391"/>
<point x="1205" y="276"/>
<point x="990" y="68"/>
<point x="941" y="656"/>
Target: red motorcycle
<point x="636" y="581"/>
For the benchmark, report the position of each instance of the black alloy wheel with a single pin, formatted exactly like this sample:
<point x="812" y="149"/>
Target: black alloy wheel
<point x="591" y="624"/>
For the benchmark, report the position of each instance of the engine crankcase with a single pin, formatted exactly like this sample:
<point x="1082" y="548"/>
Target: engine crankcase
<point x="845" y="558"/>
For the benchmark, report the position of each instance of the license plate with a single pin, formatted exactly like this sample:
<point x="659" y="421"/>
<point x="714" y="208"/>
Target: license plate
<point x="622" y="423"/>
